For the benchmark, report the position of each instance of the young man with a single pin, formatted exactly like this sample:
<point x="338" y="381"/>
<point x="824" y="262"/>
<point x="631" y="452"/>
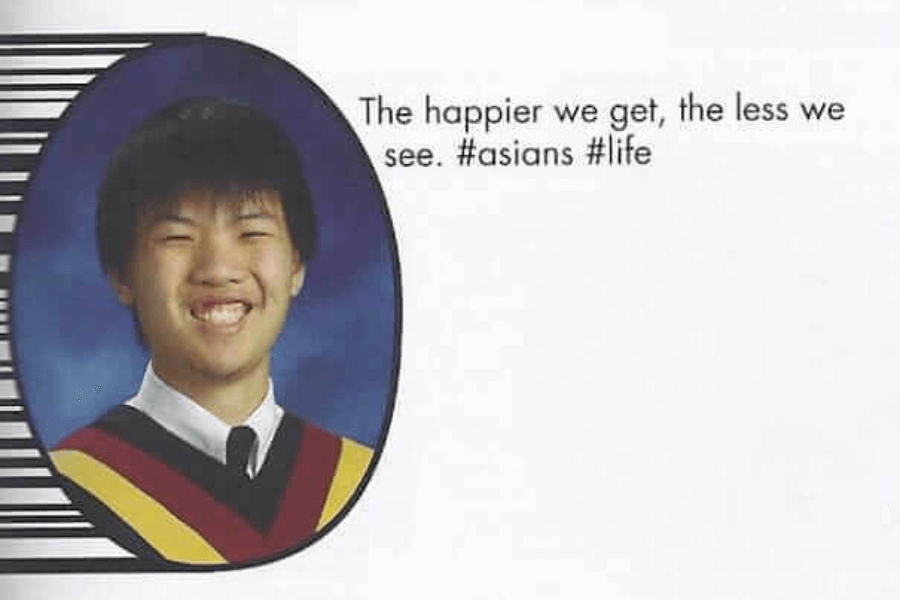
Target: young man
<point x="204" y="229"/>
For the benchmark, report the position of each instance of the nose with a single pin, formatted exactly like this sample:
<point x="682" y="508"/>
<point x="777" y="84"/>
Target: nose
<point x="216" y="261"/>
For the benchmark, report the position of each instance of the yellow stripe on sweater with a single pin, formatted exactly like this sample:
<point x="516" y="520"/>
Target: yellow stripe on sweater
<point x="172" y="538"/>
<point x="352" y="465"/>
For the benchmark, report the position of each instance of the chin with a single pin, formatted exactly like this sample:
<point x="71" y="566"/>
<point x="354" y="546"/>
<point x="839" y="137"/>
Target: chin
<point x="227" y="370"/>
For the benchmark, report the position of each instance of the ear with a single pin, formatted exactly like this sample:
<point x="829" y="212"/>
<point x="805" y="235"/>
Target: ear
<point x="121" y="288"/>
<point x="298" y="275"/>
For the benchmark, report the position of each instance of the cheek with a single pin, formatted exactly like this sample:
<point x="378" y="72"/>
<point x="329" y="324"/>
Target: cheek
<point x="278" y="285"/>
<point x="156" y="285"/>
<point x="275" y="272"/>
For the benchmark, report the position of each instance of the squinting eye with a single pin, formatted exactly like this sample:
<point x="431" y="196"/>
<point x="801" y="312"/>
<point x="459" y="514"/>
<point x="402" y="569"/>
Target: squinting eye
<point x="254" y="234"/>
<point x="177" y="238"/>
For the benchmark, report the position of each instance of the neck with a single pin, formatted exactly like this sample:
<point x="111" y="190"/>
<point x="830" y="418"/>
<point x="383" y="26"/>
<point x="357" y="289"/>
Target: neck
<point x="231" y="399"/>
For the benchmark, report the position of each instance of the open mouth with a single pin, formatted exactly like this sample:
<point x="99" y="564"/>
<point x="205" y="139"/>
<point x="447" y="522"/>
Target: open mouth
<point x="220" y="313"/>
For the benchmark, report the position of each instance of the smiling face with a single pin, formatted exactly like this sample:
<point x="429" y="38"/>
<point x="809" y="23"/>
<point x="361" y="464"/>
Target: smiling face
<point x="212" y="283"/>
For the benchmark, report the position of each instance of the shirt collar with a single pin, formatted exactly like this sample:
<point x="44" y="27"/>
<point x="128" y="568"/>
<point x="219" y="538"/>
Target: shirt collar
<point x="189" y="421"/>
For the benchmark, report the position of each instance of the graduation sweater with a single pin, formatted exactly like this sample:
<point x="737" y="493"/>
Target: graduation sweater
<point x="161" y="498"/>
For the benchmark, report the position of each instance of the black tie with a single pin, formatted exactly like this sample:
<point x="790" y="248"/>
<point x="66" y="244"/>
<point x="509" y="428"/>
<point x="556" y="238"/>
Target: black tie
<point x="237" y="449"/>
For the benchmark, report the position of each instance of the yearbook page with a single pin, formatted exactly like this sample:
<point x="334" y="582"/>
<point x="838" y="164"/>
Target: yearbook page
<point x="467" y="300"/>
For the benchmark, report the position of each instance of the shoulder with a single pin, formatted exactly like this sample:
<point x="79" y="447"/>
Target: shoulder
<point x="119" y="424"/>
<point x="341" y="461"/>
<point x="90" y="464"/>
<point x="125" y="444"/>
<point x="315" y="438"/>
<point x="98" y="455"/>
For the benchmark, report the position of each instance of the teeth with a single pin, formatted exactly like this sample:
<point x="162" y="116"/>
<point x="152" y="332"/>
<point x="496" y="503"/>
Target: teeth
<point x="222" y="314"/>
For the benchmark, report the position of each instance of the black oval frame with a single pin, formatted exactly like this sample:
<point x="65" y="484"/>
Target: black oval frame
<point x="141" y="565"/>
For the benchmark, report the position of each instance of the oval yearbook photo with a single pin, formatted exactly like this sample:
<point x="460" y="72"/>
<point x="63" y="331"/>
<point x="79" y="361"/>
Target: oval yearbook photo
<point x="205" y="307"/>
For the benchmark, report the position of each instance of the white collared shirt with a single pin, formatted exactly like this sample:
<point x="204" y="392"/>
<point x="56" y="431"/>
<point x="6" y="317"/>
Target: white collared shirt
<point x="187" y="420"/>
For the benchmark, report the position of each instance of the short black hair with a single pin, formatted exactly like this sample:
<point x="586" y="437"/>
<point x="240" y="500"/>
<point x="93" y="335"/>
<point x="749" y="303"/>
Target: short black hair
<point x="211" y="144"/>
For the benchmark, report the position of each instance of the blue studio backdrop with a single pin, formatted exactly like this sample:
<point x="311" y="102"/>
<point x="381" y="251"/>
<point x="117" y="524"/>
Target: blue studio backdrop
<point x="74" y="344"/>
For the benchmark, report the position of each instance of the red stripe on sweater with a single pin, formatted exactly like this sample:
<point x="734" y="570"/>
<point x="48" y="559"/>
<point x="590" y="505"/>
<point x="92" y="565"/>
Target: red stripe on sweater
<point x="222" y="527"/>
<point x="307" y="490"/>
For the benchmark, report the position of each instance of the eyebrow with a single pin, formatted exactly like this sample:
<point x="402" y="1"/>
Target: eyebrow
<point x="176" y="218"/>
<point x="173" y="218"/>
<point x="257" y="215"/>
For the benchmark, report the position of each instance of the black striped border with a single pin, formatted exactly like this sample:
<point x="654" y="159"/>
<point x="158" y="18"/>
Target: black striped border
<point x="40" y="530"/>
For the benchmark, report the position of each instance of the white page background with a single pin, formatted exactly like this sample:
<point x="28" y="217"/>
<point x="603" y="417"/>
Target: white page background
<point x="675" y="381"/>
